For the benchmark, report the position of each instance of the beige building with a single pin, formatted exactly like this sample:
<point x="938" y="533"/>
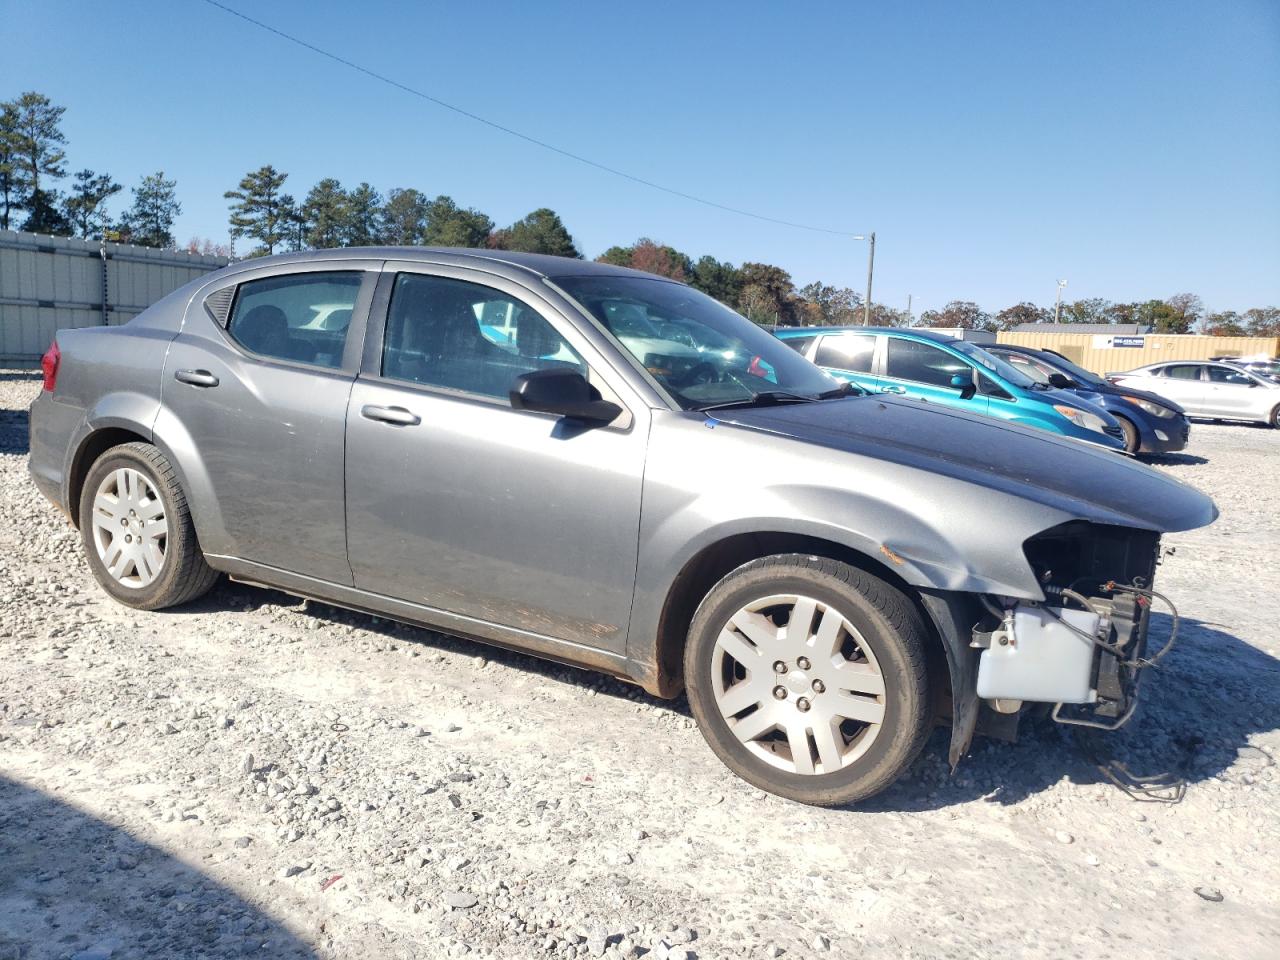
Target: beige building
<point x="1104" y="353"/>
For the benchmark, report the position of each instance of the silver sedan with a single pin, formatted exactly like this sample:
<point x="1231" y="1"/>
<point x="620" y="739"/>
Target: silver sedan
<point x="1209" y="389"/>
<point x="615" y="471"/>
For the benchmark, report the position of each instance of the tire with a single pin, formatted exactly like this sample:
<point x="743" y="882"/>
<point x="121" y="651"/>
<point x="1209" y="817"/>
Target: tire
<point x="1132" y="441"/>
<point x="878" y="632"/>
<point x="170" y="570"/>
<point x="1275" y="418"/>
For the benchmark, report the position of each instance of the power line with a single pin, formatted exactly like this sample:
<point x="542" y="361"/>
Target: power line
<point x="516" y="133"/>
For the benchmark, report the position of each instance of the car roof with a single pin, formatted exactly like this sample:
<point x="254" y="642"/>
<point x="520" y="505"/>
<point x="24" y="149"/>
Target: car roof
<point x="539" y="264"/>
<point x="910" y="332"/>
<point x="1185" y="363"/>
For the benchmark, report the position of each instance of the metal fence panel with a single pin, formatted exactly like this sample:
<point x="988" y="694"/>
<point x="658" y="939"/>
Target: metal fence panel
<point x="50" y="283"/>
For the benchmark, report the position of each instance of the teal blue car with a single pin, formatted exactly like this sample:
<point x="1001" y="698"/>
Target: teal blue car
<point x="952" y="373"/>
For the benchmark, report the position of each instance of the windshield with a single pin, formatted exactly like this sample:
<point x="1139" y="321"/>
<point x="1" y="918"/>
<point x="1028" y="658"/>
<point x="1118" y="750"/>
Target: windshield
<point x="1262" y="368"/>
<point x="997" y="366"/>
<point x="1078" y="374"/>
<point x="698" y="349"/>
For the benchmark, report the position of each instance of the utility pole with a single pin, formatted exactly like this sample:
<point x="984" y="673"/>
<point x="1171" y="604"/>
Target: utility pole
<point x="908" y="309"/>
<point x="871" y="266"/>
<point x="1057" y="307"/>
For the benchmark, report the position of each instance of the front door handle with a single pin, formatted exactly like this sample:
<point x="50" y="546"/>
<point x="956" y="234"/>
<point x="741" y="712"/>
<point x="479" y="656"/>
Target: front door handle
<point x="197" y="378"/>
<point x="892" y="388"/>
<point x="396" y="415"/>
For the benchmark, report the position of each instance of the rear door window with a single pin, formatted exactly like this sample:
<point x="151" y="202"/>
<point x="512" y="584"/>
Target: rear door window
<point x="847" y="351"/>
<point x="1182" y="371"/>
<point x="922" y="363"/>
<point x="300" y="317"/>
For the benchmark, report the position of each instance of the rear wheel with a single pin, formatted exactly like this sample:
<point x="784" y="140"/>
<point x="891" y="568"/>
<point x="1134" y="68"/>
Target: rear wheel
<point x="137" y="530"/>
<point x="1131" y="439"/>
<point x="808" y="679"/>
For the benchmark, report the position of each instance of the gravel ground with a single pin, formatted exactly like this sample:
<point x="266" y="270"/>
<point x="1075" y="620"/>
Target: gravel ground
<point x="260" y="774"/>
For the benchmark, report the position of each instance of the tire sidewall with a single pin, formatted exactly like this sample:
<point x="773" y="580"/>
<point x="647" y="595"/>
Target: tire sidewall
<point x="1132" y="437"/>
<point x="906" y="697"/>
<point x="152" y="594"/>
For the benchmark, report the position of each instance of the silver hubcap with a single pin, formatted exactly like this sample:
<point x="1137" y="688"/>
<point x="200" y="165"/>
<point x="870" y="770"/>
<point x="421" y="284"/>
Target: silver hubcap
<point x="797" y="684"/>
<point x="130" y="531"/>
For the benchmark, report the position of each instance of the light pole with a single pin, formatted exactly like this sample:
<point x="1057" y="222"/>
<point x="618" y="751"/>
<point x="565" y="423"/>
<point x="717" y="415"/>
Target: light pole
<point x="1057" y="307"/>
<point x="871" y="265"/>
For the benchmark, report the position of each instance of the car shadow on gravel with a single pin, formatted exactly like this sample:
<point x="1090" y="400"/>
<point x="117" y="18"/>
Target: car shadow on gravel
<point x="15" y="438"/>
<point x="1199" y="708"/>
<point x="1174" y="460"/>
<point x="73" y="885"/>
<point x="232" y="596"/>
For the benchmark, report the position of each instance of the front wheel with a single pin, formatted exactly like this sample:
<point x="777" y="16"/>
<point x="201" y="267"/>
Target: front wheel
<point x="137" y="531"/>
<point x="1275" y="417"/>
<point x="808" y="678"/>
<point x="1132" y="442"/>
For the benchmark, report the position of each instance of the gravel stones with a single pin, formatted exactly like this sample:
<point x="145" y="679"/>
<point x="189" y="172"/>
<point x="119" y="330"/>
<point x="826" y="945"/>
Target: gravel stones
<point x="460" y="899"/>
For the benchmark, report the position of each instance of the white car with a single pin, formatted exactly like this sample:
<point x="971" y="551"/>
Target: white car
<point x="1208" y="389"/>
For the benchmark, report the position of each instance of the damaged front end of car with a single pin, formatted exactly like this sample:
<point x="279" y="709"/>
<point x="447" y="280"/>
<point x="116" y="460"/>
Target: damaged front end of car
<point x="1084" y="646"/>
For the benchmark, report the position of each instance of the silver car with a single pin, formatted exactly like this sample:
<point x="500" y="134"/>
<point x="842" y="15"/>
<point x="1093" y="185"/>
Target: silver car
<point x="1209" y="389"/>
<point x="463" y="440"/>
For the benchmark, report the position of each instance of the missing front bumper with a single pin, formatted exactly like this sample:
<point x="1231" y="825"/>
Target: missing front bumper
<point x="1086" y="659"/>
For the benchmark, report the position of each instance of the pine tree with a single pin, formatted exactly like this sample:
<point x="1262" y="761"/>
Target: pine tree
<point x="44" y="215"/>
<point x="260" y="210"/>
<point x="364" y="217"/>
<point x="540" y="232"/>
<point x="85" y="207"/>
<point x="149" y="221"/>
<point x="325" y="214"/>
<point x="448" y="225"/>
<point x="37" y="143"/>
<point x="404" y="217"/>
<point x="10" y="193"/>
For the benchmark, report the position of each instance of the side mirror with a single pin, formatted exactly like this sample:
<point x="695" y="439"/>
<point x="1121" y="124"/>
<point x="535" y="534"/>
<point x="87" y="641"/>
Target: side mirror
<point x="1061" y="381"/>
<point x="565" y="393"/>
<point x="964" y="384"/>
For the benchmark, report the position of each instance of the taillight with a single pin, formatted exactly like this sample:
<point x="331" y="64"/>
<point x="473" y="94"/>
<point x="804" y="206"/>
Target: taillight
<point x="49" y="365"/>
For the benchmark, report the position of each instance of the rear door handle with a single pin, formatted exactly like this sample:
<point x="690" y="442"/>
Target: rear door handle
<point x="397" y="415"/>
<point x="890" y="388"/>
<point x="197" y="378"/>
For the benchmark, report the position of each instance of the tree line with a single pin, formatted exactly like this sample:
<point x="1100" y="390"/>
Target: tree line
<point x="33" y="166"/>
<point x="1180" y="313"/>
<point x="33" y="161"/>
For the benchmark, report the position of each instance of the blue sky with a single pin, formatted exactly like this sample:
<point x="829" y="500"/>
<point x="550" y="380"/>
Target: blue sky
<point x="1131" y="148"/>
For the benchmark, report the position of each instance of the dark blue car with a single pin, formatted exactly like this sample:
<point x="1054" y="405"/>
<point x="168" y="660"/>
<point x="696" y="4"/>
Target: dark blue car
<point x="1151" y="424"/>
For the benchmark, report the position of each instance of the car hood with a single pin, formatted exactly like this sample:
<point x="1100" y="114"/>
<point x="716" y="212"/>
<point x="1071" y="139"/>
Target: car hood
<point x="1085" y="481"/>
